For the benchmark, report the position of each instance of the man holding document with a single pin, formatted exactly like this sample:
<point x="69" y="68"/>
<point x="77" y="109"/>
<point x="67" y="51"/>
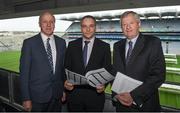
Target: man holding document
<point x="140" y="67"/>
<point x="83" y="55"/>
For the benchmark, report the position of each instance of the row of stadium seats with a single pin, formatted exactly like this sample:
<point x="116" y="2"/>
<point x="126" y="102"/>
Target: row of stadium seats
<point x="149" y="25"/>
<point x="118" y="36"/>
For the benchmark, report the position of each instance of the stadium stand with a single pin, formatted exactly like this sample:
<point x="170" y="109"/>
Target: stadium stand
<point x="165" y="29"/>
<point x="148" y="25"/>
<point x="160" y="25"/>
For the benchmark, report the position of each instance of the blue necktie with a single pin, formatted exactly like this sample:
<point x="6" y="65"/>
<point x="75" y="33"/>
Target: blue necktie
<point x="49" y="54"/>
<point x="85" y="50"/>
<point x="129" y="51"/>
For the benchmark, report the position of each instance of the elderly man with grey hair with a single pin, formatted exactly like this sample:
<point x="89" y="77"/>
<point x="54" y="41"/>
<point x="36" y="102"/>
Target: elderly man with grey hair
<point x="42" y="68"/>
<point x="139" y="57"/>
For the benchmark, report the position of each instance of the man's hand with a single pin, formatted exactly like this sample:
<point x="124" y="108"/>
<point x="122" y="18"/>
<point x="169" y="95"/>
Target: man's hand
<point x="27" y="105"/>
<point x="63" y="99"/>
<point x="125" y="98"/>
<point x="68" y="85"/>
<point x="100" y="88"/>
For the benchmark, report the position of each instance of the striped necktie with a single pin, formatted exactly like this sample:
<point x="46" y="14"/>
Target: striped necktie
<point x="129" y="51"/>
<point x="85" y="50"/>
<point x="49" y="54"/>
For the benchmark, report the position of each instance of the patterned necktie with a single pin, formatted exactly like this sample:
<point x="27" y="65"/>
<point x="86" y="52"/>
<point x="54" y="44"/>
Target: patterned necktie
<point x="49" y="54"/>
<point x="129" y="51"/>
<point x="85" y="50"/>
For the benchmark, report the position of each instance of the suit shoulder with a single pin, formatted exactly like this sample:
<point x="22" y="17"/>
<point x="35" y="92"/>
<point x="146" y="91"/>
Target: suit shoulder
<point x="59" y="38"/>
<point x="102" y="42"/>
<point x="119" y="42"/>
<point x="151" y="38"/>
<point x="31" y="39"/>
<point x="75" y="41"/>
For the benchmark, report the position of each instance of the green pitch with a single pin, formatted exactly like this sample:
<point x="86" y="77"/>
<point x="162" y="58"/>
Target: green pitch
<point x="10" y="60"/>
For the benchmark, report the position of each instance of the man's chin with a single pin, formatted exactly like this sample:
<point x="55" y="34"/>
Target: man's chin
<point x="88" y="37"/>
<point x="49" y="34"/>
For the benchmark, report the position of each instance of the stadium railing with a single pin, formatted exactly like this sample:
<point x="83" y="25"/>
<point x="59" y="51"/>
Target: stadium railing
<point x="10" y="90"/>
<point x="10" y="96"/>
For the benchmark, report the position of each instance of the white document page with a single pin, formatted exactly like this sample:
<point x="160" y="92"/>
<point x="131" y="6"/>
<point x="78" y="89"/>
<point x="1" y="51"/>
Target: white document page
<point x="98" y="77"/>
<point x="123" y="83"/>
<point x="75" y="79"/>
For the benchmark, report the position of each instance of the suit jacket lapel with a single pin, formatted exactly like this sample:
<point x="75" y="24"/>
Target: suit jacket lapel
<point x="93" y="53"/>
<point x="58" y="54"/>
<point x="80" y="52"/>
<point x="122" y="51"/>
<point x="42" y="49"/>
<point x="137" y="48"/>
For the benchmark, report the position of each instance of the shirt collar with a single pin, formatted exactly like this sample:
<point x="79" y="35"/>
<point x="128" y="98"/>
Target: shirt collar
<point x="90" y="40"/>
<point x="133" y="40"/>
<point x="45" y="37"/>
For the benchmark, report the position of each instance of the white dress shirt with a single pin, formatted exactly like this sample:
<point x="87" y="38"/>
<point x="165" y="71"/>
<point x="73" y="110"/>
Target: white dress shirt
<point x="90" y="46"/>
<point x="133" y="40"/>
<point x="53" y="47"/>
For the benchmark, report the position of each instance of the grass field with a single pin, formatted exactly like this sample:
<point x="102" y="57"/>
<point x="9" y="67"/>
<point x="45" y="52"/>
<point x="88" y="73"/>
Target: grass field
<point x="10" y="60"/>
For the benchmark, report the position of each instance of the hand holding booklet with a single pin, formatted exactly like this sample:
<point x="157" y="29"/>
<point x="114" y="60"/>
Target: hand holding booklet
<point x="93" y="78"/>
<point x="123" y="83"/>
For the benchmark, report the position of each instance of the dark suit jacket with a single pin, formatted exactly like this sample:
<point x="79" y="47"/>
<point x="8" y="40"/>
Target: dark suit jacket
<point x="146" y="64"/>
<point x="100" y="58"/>
<point x="37" y="82"/>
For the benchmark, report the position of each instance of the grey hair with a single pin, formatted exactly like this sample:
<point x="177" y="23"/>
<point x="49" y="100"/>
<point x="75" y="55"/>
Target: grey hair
<point x="44" y="13"/>
<point x="125" y="14"/>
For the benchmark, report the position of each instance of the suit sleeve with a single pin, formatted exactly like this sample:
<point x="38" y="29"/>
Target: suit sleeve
<point x="155" y="77"/>
<point x="115" y="53"/>
<point x="107" y="59"/>
<point x="63" y="68"/>
<point x="25" y="66"/>
<point x="67" y="63"/>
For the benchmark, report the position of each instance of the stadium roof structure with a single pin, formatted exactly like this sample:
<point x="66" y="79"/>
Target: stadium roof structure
<point x="145" y="13"/>
<point x="26" y="8"/>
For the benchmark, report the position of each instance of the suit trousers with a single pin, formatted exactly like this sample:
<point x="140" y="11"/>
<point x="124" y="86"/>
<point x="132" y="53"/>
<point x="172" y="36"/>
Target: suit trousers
<point x="1" y="107"/>
<point x="85" y="100"/>
<point x="122" y="108"/>
<point x="54" y="105"/>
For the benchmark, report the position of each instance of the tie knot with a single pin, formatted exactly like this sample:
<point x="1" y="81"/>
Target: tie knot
<point x="86" y="42"/>
<point x="130" y="43"/>
<point x="48" y="39"/>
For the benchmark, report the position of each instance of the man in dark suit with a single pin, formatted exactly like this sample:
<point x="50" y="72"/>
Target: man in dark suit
<point x="41" y="68"/>
<point x="139" y="57"/>
<point x="86" y="98"/>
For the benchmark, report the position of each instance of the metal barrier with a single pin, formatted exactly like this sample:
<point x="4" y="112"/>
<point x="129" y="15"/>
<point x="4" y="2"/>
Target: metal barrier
<point x="10" y="91"/>
<point x="10" y="96"/>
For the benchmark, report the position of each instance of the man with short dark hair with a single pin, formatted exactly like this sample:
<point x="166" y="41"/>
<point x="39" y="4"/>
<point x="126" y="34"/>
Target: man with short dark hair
<point x="80" y="60"/>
